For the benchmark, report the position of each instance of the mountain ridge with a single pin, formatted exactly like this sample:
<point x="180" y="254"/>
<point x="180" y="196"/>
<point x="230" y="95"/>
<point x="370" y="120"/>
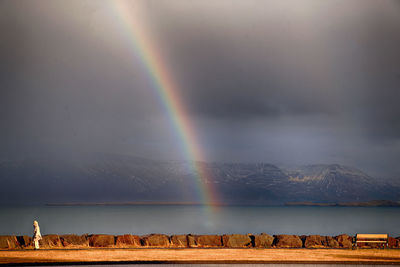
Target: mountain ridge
<point x="119" y="178"/>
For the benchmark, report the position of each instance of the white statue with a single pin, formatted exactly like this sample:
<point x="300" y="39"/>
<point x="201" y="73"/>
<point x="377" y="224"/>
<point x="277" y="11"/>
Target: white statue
<point x="36" y="234"/>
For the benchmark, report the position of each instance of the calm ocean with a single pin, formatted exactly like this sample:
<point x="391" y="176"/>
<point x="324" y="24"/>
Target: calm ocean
<point x="17" y="220"/>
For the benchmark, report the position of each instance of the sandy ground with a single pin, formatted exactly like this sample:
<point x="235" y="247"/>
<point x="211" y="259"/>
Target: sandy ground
<point x="202" y="256"/>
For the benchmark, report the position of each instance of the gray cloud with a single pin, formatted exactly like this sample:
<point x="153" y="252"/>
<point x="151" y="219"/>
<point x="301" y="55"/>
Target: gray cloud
<point x="318" y="59"/>
<point x="289" y="82"/>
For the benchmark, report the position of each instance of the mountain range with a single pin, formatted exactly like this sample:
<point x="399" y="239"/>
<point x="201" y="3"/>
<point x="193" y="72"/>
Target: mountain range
<point x="118" y="178"/>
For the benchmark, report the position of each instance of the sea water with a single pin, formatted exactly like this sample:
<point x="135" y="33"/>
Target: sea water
<point x="181" y="219"/>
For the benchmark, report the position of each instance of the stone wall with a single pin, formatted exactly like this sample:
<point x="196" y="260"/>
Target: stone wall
<point x="186" y="241"/>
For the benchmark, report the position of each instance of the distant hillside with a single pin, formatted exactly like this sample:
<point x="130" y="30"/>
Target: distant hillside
<point x="372" y="203"/>
<point x="115" y="178"/>
<point x="336" y="183"/>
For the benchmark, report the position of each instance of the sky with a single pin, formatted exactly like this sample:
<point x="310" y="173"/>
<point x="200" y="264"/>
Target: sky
<point x="286" y="82"/>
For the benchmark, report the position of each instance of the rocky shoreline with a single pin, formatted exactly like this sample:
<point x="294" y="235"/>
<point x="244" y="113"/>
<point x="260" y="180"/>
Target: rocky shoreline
<point x="185" y="241"/>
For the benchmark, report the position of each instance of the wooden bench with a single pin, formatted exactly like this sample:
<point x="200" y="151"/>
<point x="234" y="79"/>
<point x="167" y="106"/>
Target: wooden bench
<point x="371" y="238"/>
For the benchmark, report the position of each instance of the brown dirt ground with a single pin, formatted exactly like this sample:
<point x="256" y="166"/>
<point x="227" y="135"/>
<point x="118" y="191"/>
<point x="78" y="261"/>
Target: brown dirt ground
<point x="380" y="256"/>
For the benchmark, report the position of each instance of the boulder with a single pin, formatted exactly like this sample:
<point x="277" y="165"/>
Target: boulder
<point x="393" y="242"/>
<point x="263" y="240"/>
<point x="332" y="242"/>
<point x="287" y="241"/>
<point x="179" y="241"/>
<point x="128" y="241"/>
<point x="156" y="240"/>
<point x="8" y="242"/>
<point x="236" y="241"/>
<point x="208" y="241"/>
<point x="75" y="240"/>
<point x="50" y="241"/>
<point x="191" y="241"/>
<point x="205" y="241"/>
<point x="314" y="241"/>
<point x="345" y="241"/>
<point x="317" y="241"/>
<point x="100" y="241"/>
<point x="24" y="241"/>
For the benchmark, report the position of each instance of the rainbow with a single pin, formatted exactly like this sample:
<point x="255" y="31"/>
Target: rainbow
<point x="167" y="90"/>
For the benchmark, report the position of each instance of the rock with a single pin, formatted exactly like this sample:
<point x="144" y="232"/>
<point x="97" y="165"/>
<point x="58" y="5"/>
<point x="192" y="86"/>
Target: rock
<point x="8" y="242"/>
<point x="398" y="241"/>
<point x="128" y="241"/>
<point x="50" y="241"/>
<point x="156" y="240"/>
<point x="191" y="241"/>
<point x="236" y="241"/>
<point x="314" y="241"/>
<point x="204" y="241"/>
<point x="209" y="241"/>
<point x="75" y="240"/>
<point x="317" y="241"/>
<point x="345" y="241"/>
<point x="393" y="242"/>
<point x="331" y="242"/>
<point x="263" y="240"/>
<point x="100" y="241"/>
<point x="24" y="241"/>
<point x="179" y="241"/>
<point x="287" y="241"/>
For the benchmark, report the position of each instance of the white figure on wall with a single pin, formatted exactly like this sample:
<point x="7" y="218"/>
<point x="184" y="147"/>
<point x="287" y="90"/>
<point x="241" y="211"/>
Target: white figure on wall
<point x="36" y="234"/>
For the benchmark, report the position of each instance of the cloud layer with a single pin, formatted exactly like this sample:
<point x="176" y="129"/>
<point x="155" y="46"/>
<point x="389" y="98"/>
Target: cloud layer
<point x="289" y="82"/>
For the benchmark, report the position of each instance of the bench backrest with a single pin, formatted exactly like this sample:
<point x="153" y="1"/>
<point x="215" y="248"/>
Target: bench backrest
<point x="372" y="236"/>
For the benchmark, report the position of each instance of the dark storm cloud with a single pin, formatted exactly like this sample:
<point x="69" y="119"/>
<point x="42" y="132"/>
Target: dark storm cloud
<point x="289" y="82"/>
<point x="67" y="84"/>
<point x="329" y="57"/>
<point x="381" y="101"/>
<point x="299" y="81"/>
